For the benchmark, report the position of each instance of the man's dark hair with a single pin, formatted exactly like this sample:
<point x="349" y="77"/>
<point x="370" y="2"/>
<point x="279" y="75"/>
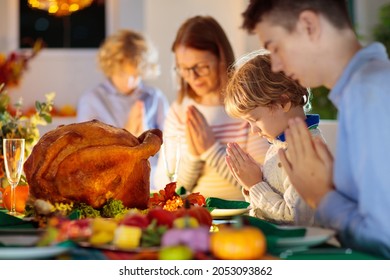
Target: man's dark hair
<point x="286" y="12"/>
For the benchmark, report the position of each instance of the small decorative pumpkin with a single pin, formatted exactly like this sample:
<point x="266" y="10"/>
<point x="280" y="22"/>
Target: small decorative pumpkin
<point x="200" y="213"/>
<point x="21" y="196"/>
<point x="242" y="243"/>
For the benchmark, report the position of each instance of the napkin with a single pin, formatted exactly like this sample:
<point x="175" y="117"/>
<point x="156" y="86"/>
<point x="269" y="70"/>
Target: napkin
<point x="181" y="191"/>
<point x="272" y="232"/>
<point x="219" y="203"/>
<point x="326" y="252"/>
<point x="11" y="222"/>
<point x="270" y="229"/>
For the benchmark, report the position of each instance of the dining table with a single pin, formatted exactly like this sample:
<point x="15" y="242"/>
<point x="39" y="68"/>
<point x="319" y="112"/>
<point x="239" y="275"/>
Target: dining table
<point x="283" y="242"/>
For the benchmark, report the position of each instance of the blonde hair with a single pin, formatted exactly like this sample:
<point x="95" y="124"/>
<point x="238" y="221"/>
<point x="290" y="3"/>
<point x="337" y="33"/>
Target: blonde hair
<point x="253" y="84"/>
<point x="127" y="46"/>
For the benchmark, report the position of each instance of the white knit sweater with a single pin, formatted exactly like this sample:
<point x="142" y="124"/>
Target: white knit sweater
<point x="275" y="199"/>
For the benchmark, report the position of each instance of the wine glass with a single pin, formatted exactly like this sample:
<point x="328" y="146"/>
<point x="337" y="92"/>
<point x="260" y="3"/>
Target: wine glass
<point x="171" y="155"/>
<point x="13" y="152"/>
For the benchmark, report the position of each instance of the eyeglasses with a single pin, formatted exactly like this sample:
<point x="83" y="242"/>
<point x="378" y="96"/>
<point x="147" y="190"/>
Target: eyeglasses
<point x="198" y="70"/>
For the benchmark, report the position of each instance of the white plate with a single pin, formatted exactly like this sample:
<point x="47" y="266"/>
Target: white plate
<point x="222" y="213"/>
<point x="29" y="253"/>
<point x="19" y="240"/>
<point x="314" y="236"/>
<point x="20" y="237"/>
<point x="111" y="247"/>
<point x="17" y="231"/>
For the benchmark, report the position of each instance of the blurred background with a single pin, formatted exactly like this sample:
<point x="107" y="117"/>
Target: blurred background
<point x="67" y="64"/>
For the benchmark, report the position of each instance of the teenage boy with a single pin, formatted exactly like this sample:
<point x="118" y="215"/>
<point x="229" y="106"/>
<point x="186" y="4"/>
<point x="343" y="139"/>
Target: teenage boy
<point x="313" y="42"/>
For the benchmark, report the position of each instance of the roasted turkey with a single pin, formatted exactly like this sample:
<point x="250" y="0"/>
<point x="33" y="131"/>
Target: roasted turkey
<point x="92" y="162"/>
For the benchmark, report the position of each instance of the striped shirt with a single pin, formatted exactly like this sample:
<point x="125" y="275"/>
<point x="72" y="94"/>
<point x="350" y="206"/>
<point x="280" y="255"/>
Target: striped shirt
<point x="208" y="173"/>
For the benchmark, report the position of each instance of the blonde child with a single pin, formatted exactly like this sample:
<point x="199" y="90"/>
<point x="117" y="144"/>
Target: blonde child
<point x="125" y="58"/>
<point x="122" y="99"/>
<point x="267" y="100"/>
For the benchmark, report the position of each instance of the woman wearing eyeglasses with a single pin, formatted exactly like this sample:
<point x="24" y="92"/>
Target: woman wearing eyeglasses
<point x="203" y="56"/>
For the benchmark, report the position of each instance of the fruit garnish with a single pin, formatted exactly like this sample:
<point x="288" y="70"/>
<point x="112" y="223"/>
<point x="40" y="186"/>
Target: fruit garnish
<point x="151" y="236"/>
<point x="177" y="252"/>
<point x="127" y="237"/>
<point x="185" y="222"/>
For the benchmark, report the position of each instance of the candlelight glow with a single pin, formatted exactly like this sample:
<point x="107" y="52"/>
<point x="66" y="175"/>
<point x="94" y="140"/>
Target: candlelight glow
<point x="59" y="7"/>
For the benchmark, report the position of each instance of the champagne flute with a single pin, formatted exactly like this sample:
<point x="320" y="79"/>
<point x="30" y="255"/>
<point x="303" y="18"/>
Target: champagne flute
<point x="13" y="152"/>
<point x="171" y="155"/>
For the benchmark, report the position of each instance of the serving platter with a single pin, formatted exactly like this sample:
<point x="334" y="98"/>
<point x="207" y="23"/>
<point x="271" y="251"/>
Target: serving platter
<point x="111" y="247"/>
<point x="20" y="237"/>
<point x="29" y="253"/>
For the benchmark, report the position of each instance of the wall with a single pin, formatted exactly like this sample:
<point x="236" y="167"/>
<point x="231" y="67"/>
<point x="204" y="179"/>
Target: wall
<point x="70" y="73"/>
<point x="169" y="14"/>
<point x="67" y="72"/>
<point x="366" y="16"/>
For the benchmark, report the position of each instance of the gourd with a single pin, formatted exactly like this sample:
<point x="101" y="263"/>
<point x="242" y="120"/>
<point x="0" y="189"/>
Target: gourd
<point x="21" y="196"/>
<point x="238" y="243"/>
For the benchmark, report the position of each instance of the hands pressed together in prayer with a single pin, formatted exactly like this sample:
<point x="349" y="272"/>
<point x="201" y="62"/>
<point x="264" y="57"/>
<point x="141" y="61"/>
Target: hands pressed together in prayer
<point x="244" y="168"/>
<point x="135" y="119"/>
<point x="308" y="163"/>
<point x="199" y="134"/>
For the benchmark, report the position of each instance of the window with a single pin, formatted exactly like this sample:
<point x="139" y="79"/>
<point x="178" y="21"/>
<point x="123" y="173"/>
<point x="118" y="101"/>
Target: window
<point x="82" y="29"/>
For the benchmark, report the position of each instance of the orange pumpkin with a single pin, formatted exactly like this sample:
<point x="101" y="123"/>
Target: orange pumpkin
<point x="231" y="243"/>
<point x="21" y="193"/>
<point x="200" y="213"/>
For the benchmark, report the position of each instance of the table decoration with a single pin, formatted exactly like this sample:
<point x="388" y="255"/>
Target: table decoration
<point x="22" y="193"/>
<point x="238" y="242"/>
<point x="13" y="65"/>
<point x="13" y="154"/>
<point x="13" y="124"/>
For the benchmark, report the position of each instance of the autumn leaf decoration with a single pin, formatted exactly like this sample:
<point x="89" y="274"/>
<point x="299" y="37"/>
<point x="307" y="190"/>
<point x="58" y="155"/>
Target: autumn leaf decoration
<point x="169" y="200"/>
<point x="196" y="199"/>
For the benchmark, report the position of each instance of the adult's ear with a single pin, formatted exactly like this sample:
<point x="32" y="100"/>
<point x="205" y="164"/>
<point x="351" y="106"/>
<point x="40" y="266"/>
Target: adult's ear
<point x="309" y="23"/>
